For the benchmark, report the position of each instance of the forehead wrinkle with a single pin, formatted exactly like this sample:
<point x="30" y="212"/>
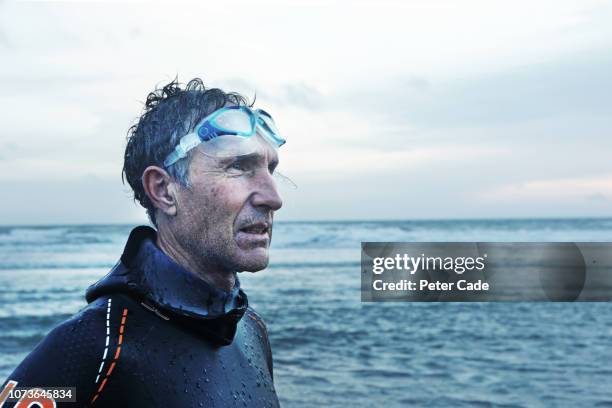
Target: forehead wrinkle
<point x="263" y="155"/>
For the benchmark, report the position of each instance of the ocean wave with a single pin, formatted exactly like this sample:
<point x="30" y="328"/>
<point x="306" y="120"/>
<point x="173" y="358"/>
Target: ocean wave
<point x="32" y="322"/>
<point x="62" y="235"/>
<point x="314" y="264"/>
<point x="37" y="266"/>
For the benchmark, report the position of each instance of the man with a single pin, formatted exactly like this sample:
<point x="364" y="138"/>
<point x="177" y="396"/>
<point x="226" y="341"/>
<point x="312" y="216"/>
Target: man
<point x="169" y="326"/>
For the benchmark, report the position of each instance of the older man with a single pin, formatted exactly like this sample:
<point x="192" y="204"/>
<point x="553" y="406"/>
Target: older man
<point x="169" y="325"/>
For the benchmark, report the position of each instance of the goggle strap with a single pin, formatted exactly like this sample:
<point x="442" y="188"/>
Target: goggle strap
<point x="186" y="143"/>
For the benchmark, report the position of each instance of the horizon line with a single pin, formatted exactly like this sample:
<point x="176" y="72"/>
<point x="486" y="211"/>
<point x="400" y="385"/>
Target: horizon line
<point x="338" y="221"/>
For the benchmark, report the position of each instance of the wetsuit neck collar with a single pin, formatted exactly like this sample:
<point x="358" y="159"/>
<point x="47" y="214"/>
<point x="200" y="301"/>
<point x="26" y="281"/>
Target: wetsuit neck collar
<point x="146" y="271"/>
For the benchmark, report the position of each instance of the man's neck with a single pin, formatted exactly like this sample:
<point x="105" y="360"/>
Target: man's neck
<point x="221" y="280"/>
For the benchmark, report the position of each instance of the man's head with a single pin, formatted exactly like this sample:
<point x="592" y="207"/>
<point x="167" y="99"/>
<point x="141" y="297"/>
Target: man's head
<point x="218" y="210"/>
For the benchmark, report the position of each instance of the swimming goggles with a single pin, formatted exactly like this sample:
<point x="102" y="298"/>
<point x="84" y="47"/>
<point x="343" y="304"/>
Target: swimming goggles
<point x="228" y="132"/>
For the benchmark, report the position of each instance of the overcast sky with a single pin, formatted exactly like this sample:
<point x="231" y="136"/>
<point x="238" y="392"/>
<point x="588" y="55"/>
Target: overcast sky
<point x="392" y="110"/>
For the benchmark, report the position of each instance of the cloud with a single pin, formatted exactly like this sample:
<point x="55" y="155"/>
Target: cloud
<point x="595" y="188"/>
<point x="355" y="162"/>
<point x="572" y="84"/>
<point x="301" y="95"/>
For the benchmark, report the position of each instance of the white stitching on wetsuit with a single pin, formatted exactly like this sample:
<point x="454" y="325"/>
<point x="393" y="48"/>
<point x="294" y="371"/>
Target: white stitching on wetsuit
<point x="108" y="309"/>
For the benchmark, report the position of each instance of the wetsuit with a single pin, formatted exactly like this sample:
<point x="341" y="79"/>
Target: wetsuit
<point x="155" y="335"/>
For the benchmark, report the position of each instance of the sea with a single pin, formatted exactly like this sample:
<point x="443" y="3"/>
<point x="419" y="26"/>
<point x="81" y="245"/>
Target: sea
<point x="332" y="350"/>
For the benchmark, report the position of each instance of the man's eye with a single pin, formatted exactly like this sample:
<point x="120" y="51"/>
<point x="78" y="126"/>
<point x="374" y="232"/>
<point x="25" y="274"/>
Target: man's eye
<point x="272" y="166"/>
<point x="237" y="166"/>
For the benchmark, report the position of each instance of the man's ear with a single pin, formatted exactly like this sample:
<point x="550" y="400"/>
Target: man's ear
<point x="160" y="188"/>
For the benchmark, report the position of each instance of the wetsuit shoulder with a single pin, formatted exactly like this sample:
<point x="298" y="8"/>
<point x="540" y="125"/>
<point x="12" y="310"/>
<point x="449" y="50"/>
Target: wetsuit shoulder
<point x="262" y="330"/>
<point x="256" y="317"/>
<point x="70" y="355"/>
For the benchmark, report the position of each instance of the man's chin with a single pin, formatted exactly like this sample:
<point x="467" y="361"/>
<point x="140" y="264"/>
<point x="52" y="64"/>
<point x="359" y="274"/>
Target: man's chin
<point x="254" y="260"/>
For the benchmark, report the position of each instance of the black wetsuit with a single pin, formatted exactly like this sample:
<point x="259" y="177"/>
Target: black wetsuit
<point x="155" y="335"/>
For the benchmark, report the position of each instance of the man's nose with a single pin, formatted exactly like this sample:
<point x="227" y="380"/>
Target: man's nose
<point x="266" y="194"/>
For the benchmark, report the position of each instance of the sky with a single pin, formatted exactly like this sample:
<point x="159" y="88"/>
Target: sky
<point x="391" y="109"/>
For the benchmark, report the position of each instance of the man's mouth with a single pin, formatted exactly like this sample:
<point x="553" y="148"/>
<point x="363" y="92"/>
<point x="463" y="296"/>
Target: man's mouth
<point x="257" y="229"/>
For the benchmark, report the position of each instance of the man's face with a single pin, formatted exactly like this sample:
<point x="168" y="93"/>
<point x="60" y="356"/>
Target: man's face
<point x="225" y="218"/>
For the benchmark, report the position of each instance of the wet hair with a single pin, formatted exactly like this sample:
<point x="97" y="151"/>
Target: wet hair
<point x="170" y="112"/>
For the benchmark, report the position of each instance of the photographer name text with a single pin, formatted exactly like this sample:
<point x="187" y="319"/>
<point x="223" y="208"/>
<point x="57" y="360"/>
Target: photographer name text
<point x="424" y="284"/>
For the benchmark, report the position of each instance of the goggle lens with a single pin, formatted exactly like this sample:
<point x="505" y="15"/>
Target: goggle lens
<point x="269" y="127"/>
<point x="230" y="146"/>
<point x="234" y="121"/>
